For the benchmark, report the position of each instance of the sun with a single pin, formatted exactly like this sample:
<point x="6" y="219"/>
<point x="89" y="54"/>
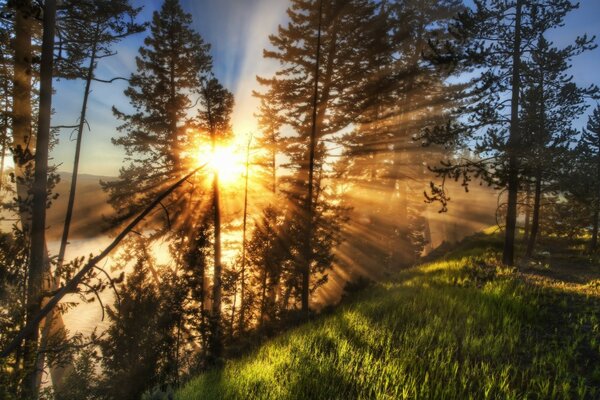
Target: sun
<point x="226" y="160"/>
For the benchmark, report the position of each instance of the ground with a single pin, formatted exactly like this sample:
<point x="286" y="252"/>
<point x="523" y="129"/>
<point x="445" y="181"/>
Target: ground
<point x="459" y="326"/>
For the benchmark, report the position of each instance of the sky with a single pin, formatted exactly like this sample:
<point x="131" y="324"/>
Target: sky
<point x="238" y="32"/>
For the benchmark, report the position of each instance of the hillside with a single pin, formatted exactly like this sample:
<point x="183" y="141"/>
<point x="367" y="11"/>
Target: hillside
<point x="458" y="327"/>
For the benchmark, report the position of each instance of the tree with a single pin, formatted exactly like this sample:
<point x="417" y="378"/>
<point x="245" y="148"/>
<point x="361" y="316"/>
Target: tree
<point x="169" y="67"/>
<point x="493" y="40"/>
<point x="318" y="91"/>
<point x="38" y="255"/>
<point x="88" y="29"/>
<point x="14" y="260"/>
<point x="551" y="102"/>
<point x="385" y="153"/>
<point x="214" y="119"/>
<point x="137" y="352"/>
<point x="23" y="70"/>
<point x="589" y="150"/>
<point x="6" y="91"/>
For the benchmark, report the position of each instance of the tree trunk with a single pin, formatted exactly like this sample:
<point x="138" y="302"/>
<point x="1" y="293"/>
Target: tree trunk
<point x="50" y="325"/>
<point x="527" y="227"/>
<point x="308" y="208"/>
<point x="38" y="220"/>
<point x="21" y="128"/>
<point x="4" y="139"/>
<point x="216" y="289"/>
<point x="244" y="225"/>
<point x="594" y="240"/>
<point x="508" y="254"/>
<point x="535" y="222"/>
<point x="263" y="297"/>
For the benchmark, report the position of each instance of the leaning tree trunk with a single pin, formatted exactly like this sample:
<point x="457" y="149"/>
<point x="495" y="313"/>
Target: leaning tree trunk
<point x="535" y="222"/>
<point x="38" y="255"/>
<point x="508" y="254"/>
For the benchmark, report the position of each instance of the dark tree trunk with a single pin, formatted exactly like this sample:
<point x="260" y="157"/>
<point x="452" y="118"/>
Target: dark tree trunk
<point x="311" y="166"/>
<point x="535" y="222"/>
<point x="594" y="239"/>
<point x="508" y="254"/>
<point x="263" y="297"/>
<point x="216" y="289"/>
<point x="40" y="185"/>
<point x="527" y="227"/>
<point x="4" y="139"/>
<point x="244" y="226"/>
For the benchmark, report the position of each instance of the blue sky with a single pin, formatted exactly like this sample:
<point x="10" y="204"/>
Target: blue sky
<point x="238" y="31"/>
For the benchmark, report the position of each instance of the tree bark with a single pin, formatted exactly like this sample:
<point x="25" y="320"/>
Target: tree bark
<point x="217" y="284"/>
<point x="594" y="239"/>
<point x="244" y="226"/>
<point x="21" y="124"/>
<point x="38" y="256"/>
<point x="508" y="254"/>
<point x="527" y="227"/>
<point x="535" y="222"/>
<point x="308" y="207"/>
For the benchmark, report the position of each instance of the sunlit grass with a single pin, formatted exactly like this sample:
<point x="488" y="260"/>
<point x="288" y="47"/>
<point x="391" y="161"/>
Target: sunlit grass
<point x="458" y="328"/>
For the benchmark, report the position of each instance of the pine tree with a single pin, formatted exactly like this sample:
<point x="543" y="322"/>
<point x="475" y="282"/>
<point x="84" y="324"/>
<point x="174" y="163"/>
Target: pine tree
<point x="589" y="149"/>
<point x="495" y="39"/>
<point x="170" y="65"/>
<point x="161" y="142"/>
<point x="318" y="91"/>
<point x="214" y="120"/>
<point x="138" y="346"/>
<point x="551" y="102"/>
<point x="385" y="155"/>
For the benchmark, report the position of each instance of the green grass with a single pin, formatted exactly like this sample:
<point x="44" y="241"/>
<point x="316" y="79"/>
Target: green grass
<point x="460" y="327"/>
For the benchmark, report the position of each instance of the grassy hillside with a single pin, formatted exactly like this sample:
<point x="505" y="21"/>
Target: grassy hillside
<point x="460" y="327"/>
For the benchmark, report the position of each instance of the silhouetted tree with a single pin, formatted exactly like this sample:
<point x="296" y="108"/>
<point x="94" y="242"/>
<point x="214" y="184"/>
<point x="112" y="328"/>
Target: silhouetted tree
<point x="38" y="254"/>
<point x="169" y="68"/>
<point x="551" y="102"/>
<point x="317" y="91"/>
<point x="493" y="40"/>
<point x="139" y="349"/>
<point x="589" y="150"/>
<point x="214" y="120"/>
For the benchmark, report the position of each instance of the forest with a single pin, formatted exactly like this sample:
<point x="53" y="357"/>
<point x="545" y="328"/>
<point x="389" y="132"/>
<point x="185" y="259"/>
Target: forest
<point x="299" y="199"/>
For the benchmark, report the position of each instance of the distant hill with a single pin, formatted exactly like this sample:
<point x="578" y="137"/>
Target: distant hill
<point x="90" y="205"/>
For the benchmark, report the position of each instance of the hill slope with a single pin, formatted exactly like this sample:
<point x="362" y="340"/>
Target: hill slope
<point x="460" y="327"/>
